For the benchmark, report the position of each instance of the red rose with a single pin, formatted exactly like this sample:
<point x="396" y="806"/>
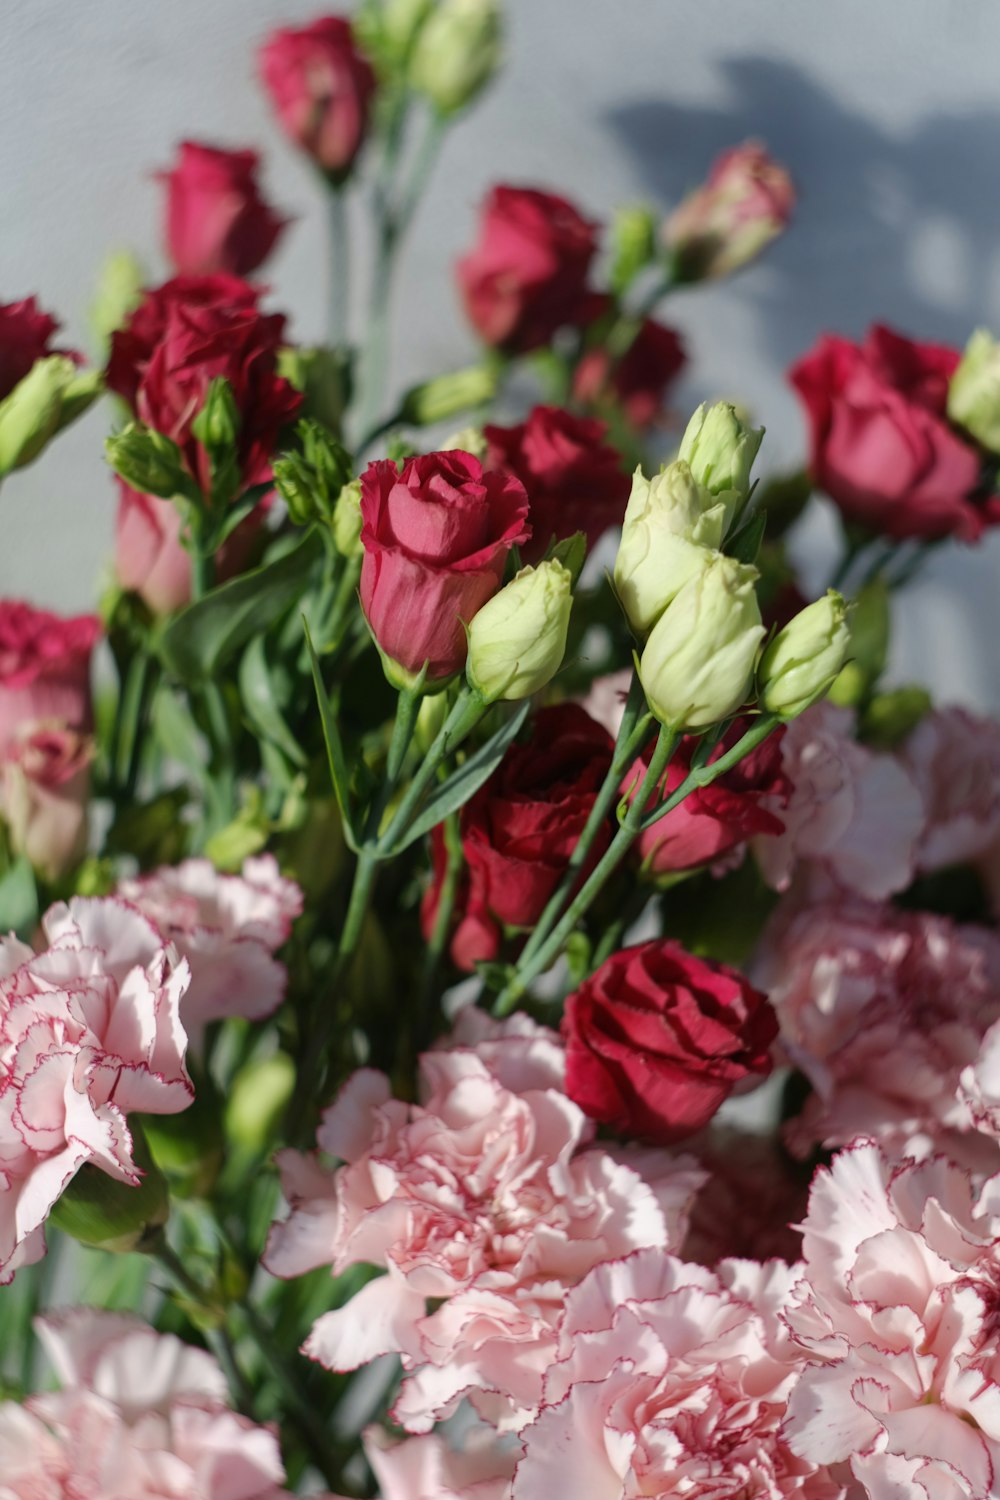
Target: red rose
<point x="180" y="338"/>
<point x="527" y="275"/>
<point x="657" y="1039"/>
<point x="881" y="446"/>
<point x="25" y="332"/>
<point x="321" y="88"/>
<point x="575" y="481"/>
<point x="44" y="668"/>
<point x="712" y="820"/>
<point x="216" y="219"/>
<point x="519" y="830"/>
<point x="436" y="536"/>
<point x="639" y="380"/>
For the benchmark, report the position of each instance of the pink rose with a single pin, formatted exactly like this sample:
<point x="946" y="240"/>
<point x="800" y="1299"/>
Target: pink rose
<point x="880" y="443"/>
<point x="321" y="90"/>
<point x="745" y="202"/>
<point x="44" y="793"/>
<point x="436" y="535"/>
<point x="25" y="334"/>
<point x="216" y="219"/>
<point x="527" y="276"/>
<point x="44" y="668"/>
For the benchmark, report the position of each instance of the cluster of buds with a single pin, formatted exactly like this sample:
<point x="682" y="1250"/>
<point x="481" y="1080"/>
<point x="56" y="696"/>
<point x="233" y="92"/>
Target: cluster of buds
<point x="696" y="608"/>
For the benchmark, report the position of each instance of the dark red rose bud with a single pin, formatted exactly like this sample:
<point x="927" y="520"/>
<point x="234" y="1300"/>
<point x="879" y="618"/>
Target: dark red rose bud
<point x="216" y="219"/>
<point x="527" y="275"/>
<point x="575" y="481"/>
<point x="639" y="380"/>
<point x="321" y="88"/>
<point x="25" y="332"/>
<point x="880" y="443"/>
<point x="657" y="1039"/>
<point x="186" y="334"/>
<point x="519" y="830"/>
<point x="436" y="536"/>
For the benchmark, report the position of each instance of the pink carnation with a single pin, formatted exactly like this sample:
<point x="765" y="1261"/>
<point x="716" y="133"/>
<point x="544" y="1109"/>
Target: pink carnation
<point x="882" y="1009"/>
<point x="44" y="668"/>
<point x="954" y="759"/>
<point x="140" y="1416"/>
<point x="488" y="1197"/>
<point x="853" y="817"/>
<point x="227" y="927"/>
<point x="897" y="1313"/>
<point x="670" y="1380"/>
<point x="425" y="1468"/>
<point x="89" y="1032"/>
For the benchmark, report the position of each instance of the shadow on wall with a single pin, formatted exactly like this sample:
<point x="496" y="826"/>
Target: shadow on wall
<point x="891" y="226"/>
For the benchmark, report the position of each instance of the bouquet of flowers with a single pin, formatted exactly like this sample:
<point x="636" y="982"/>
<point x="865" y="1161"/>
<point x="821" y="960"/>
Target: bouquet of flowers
<point x="498" y="996"/>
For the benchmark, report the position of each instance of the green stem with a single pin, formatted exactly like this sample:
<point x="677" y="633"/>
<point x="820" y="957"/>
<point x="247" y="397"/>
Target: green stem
<point x="704" y="775"/>
<point x="465" y="714"/>
<point x="446" y="905"/>
<point x="202" y="573"/>
<point x="140" y="680"/>
<point x="219" y="1339"/>
<point x="628" y="832"/>
<point x="311" y="1428"/>
<point x="339" y="265"/>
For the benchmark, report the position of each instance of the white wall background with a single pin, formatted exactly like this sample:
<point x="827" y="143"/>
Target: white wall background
<point x="888" y="114"/>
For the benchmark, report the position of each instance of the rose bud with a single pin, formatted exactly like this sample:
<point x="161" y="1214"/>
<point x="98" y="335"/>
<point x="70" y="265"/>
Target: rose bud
<point x="800" y="664"/>
<point x="974" y="390"/>
<point x="458" y="50"/>
<point x="321" y="88"/>
<point x="698" y="662"/>
<point x="45" y="788"/>
<point x="52" y="394"/>
<point x="527" y="276"/>
<point x="745" y="203"/>
<point x="714" y="820"/>
<point x="669" y="521"/>
<point x="216" y="219"/>
<point x="657" y="1039"/>
<point x="517" y="641"/>
<point x="574" y="479"/>
<point x="44" y="669"/>
<point x="436" y="535"/>
<point x="639" y="380"/>
<point x="720" y="449"/>
<point x="880" y="443"/>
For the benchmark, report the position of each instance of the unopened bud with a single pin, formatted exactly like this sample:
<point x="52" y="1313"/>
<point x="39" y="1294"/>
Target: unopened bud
<point x="457" y="51"/>
<point x="347" y="520"/>
<point x="517" y="641"/>
<point x="50" y="396"/>
<point x="447" y="395"/>
<point x="720" y="449"/>
<point x="322" y="376"/>
<point x="745" y="202"/>
<point x="800" y="664"/>
<point x="147" y="461"/>
<point x="118" y="294"/>
<point x="974" y="391"/>
<point x="669" y="523"/>
<point x="633" y="244"/>
<point x="469" y="440"/>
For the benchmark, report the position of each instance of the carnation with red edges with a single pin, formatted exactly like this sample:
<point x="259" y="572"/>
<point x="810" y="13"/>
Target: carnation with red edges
<point x="216" y="219"/>
<point x="436" y="535"/>
<point x="181" y="337"/>
<point x="574" y="479"/>
<point x="321" y="89"/>
<point x="657" y="1039"/>
<point x="526" y="276"/>
<point x="44" y="668"/>
<point x="880" y="443"/>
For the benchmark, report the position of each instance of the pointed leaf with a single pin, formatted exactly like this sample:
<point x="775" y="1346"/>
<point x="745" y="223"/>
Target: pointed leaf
<point x="745" y="545"/>
<point x="260" y="700"/>
<point x="339" y="774"/>
<point x="18" y="900"/>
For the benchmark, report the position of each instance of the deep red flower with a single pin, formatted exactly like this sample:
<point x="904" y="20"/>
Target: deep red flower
<point x="640" y="379"/>
<point x="44" y="668"/>
<point x="25" y="332"/>
<point x="321" y="88"/>
<point x="216" y="219"/>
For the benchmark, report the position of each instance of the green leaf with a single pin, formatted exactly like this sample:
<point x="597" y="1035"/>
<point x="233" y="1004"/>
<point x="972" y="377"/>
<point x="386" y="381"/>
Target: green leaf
<point x="466" y="781"/>
<point x="572" y="553"/>
<point x="494" y="976"/>
<point x="257" y="690"/>
<point x="177" y="734"/>
<point x="745" y="544"/>
<point x="339" y="774"/>
<point x="199" y="641"/>
<point x="18" y="899"/>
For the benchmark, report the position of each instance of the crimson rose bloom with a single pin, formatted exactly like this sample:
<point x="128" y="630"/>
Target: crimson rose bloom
<point x="44" y="668"/>
<point x="639" y="380"/>
<point x="712" y="820"/>
<point x="526" y="277"/>
<point x="519" y="830"/>
<point x="25" y="332"/>
<point x="656" y="1039"/>
<point x="575" y="481"/>
<point x="436" y="536"/>
<point x="321" y="88"/>
<point x="881" y="446"/>
<point x="216" y="219"/>
<point x="180" y="338"/>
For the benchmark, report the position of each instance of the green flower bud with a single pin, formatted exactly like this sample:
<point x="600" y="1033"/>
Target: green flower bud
<point x="347" y="520"/>
<point x="800" y="664"/>
<point x="974" y="391"/>
<point x="517" y="641"/>
<point x="101" y="1211"/>
<point x="669" y="522"/>
<point x="445" y="396"/>
<point x="457" y="51"/>
<point x="52" y="394"/>
<point x="118" y="294"/>
<point x="217" y="425"/>
<point x="430" y="719"/>
<point x="721" y="449"/>
<point x="470" y="440"/>
<point x="633" y="244"/>
<point x="323" y="377"/>
<point x="148" y="461"/>
<point x="309" y="482"/>
<point x="699" y="659"/>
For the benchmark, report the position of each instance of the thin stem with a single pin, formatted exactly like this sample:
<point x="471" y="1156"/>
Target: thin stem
<point x="465" y="714"/>
<point x="220" y="1339"/>
<point x="311" y="1428"/>
<point x="454" y="860"/>
<point x="704" y="775"/>
<point x="340" y="262"/>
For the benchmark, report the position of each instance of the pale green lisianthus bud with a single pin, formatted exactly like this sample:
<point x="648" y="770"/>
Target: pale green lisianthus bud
<point x="52" y="394"/>
<point x="669" y="523"/>
<point x="517" y="641"/>
<point x="448" y="395"/>
<point x="800" y="664"/>
<point x="698" y="662"/>
<point x="118" y="294"/>
<point x="347" y="520"/>
<point x="974" y="391"/>
<point x="457" y="51"/>
<point x="721" y="449"/>
<point x="469" y="440"/>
